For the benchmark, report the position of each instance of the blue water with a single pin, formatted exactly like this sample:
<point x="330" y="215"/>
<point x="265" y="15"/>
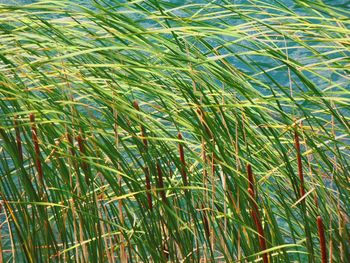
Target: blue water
<point x="289" y="3"/>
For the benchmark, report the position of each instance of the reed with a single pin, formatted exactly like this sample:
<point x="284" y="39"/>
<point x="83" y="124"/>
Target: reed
<point x="251" y="179"/>
<point x="160" y="103"/>
<point x="300" y="165"/>
<point x="255" y="213"/>
<point x="322" y="239"/>
<point x="183" y="162"/>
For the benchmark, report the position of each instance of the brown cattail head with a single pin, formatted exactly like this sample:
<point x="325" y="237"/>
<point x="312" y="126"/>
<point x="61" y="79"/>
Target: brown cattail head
<point x="182" y="160"/>
<point x="71" y="143"/>
<point x="32" y="117"/>
<point x="300" y="165"/>
<point x="36" y="149"/>
<point x="251" y="179"/>
<point x="257" y="220"/>
<point x="322" y="238"/>
<point x="148" y="187"/>
<point x="80" y="144"/>
<point x="18" y="140"/>
<point x="136" y="105"/>
<point x="161" y="182"/>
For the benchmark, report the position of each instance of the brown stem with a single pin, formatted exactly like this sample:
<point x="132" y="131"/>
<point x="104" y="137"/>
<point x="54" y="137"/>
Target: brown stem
<point x="322" y="239"/>
<point x="183" y="162"/>
<point x="136" y="105"/>
<point x="36" y="150"/>
<point x="257" y="220"/>
<point x="251" y="179"/>
<point x="300" y="165"/>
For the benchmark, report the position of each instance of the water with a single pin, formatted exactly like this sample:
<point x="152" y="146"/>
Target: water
<point x="290" y="3"/>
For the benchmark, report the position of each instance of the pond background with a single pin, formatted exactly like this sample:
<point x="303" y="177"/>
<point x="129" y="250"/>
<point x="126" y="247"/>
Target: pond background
<point x="290" y="3"/>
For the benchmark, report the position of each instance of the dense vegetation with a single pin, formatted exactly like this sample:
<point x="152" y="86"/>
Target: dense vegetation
<point x="138" y="131"/>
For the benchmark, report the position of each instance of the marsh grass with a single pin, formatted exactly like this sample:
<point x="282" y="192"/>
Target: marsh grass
<point x="146" y="131"/>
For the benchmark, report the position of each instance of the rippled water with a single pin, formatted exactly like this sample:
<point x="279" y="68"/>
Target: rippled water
<point x="264" y="62"/>
<point x="289" y="3"/>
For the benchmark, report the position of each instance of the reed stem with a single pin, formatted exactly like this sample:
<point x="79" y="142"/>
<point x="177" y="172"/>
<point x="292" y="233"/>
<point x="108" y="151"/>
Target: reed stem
<point x="183" y="161"/>
<point x="300" y="165"/>
<point x="322" y="238"/>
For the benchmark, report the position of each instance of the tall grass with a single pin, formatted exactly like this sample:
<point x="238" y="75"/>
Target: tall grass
<point x="149" y="131"/>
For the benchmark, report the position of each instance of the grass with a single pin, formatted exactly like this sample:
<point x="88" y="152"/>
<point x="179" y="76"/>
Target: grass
<point x="149" y="131"/>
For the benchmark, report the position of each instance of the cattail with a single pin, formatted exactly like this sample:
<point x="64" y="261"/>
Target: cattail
<point x="251" y="179"/>
<point x="255" y="212"/>
<point x="18" y="140"/>
<point x="322" y="239"/>
<point x="84" y="165"/>
<point x="257" y="220"/>
<point x="182" y="160"/>
<point x="80" y="144"/>
<point x="136" y="105"/>
<point x="161" y="182"/>
<point x="70" y="140"/>
<point x="36" y="149"/>
<point x="300" y="166"/>
<point x="148" y="187"/>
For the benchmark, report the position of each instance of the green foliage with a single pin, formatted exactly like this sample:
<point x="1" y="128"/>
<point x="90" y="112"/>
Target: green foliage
<point x="94" y="97"/>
